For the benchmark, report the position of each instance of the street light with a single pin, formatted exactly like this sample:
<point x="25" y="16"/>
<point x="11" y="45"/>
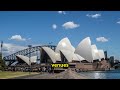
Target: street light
<point x="29" y="57"/>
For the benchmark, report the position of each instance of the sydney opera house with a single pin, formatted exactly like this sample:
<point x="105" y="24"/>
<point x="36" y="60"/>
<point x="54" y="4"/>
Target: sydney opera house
<point x="66" y="53"/>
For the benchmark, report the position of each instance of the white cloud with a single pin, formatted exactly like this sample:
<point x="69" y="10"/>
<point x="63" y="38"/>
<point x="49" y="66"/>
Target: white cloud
<point x="70" y="25"/>
<point x="118" y="22"/>
<point x="9" y="48"/>
<point x="54" y="26"/>
<point x="93" y="15"/>
<point x="61" y="12"/>
<point x="101" y="39"/>
<point x="17" y="38"/>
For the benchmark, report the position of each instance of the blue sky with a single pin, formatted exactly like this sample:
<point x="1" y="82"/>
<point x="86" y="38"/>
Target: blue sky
<point x="20" y="28"/>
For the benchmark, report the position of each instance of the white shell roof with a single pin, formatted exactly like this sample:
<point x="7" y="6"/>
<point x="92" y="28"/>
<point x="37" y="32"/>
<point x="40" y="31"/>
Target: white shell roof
<point x="71" y="56"/>
<point x="57" y="56"/>
<point x="101" y="54"/>
<point x="33" y="59"/>
<point x="50" y="53"/>
<point x="68" y="55"/>
<point x="95" y="52"/>
<point x="84" y="49"/>
<point x="64" y="44"/>
<point x="77" y="57"/>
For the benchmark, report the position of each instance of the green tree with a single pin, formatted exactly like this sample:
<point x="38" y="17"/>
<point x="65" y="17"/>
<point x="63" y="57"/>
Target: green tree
<point x="2" y="63"/>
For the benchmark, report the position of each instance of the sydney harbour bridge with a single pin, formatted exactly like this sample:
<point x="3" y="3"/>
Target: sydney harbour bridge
<point x="26" y="52"/>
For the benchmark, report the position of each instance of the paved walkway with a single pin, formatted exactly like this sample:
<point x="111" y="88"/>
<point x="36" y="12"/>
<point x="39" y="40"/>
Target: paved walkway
<point x="68" y="74"/>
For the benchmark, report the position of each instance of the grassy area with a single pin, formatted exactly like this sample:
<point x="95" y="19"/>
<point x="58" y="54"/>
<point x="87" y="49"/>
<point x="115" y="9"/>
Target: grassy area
<point x="9" y="74"/>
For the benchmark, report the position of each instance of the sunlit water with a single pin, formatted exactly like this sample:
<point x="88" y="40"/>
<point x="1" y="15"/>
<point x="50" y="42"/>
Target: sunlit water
<point x="113" y="74"/>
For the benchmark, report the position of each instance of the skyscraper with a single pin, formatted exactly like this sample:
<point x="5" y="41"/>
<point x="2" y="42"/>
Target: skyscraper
<point x="111" y="61"/>
<point x="105" y="52"/>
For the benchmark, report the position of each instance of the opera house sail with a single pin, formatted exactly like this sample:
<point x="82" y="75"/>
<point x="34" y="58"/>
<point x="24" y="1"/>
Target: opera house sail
<point x="77" y="57"/>
<point x="101" y="54"/>
<point x="84" y="49"/>
<point x="95" y="53"/>
<point x="25" y="59"/>
<point x="48" y="55"/>
<point x="65" y="44"/>
<point x="68" y="55"/>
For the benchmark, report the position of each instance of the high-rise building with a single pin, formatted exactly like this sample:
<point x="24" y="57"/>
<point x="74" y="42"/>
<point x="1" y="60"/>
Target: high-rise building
<point x="111" y="61"/>
<point x="112" y="58"/>
<point x="105" y="52"/>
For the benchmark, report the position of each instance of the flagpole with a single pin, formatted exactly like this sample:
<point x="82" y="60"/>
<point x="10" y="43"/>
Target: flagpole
<point x="1" y="46"/>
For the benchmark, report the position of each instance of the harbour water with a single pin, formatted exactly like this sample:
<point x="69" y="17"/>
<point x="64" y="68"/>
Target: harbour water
<point x="112" y="74"/>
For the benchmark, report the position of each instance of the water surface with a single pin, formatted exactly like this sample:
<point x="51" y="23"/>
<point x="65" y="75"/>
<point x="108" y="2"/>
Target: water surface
<point x="112" y="74"/>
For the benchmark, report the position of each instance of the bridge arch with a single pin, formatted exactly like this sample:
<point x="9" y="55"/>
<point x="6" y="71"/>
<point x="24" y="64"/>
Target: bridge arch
<point x="12" y="58"/>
